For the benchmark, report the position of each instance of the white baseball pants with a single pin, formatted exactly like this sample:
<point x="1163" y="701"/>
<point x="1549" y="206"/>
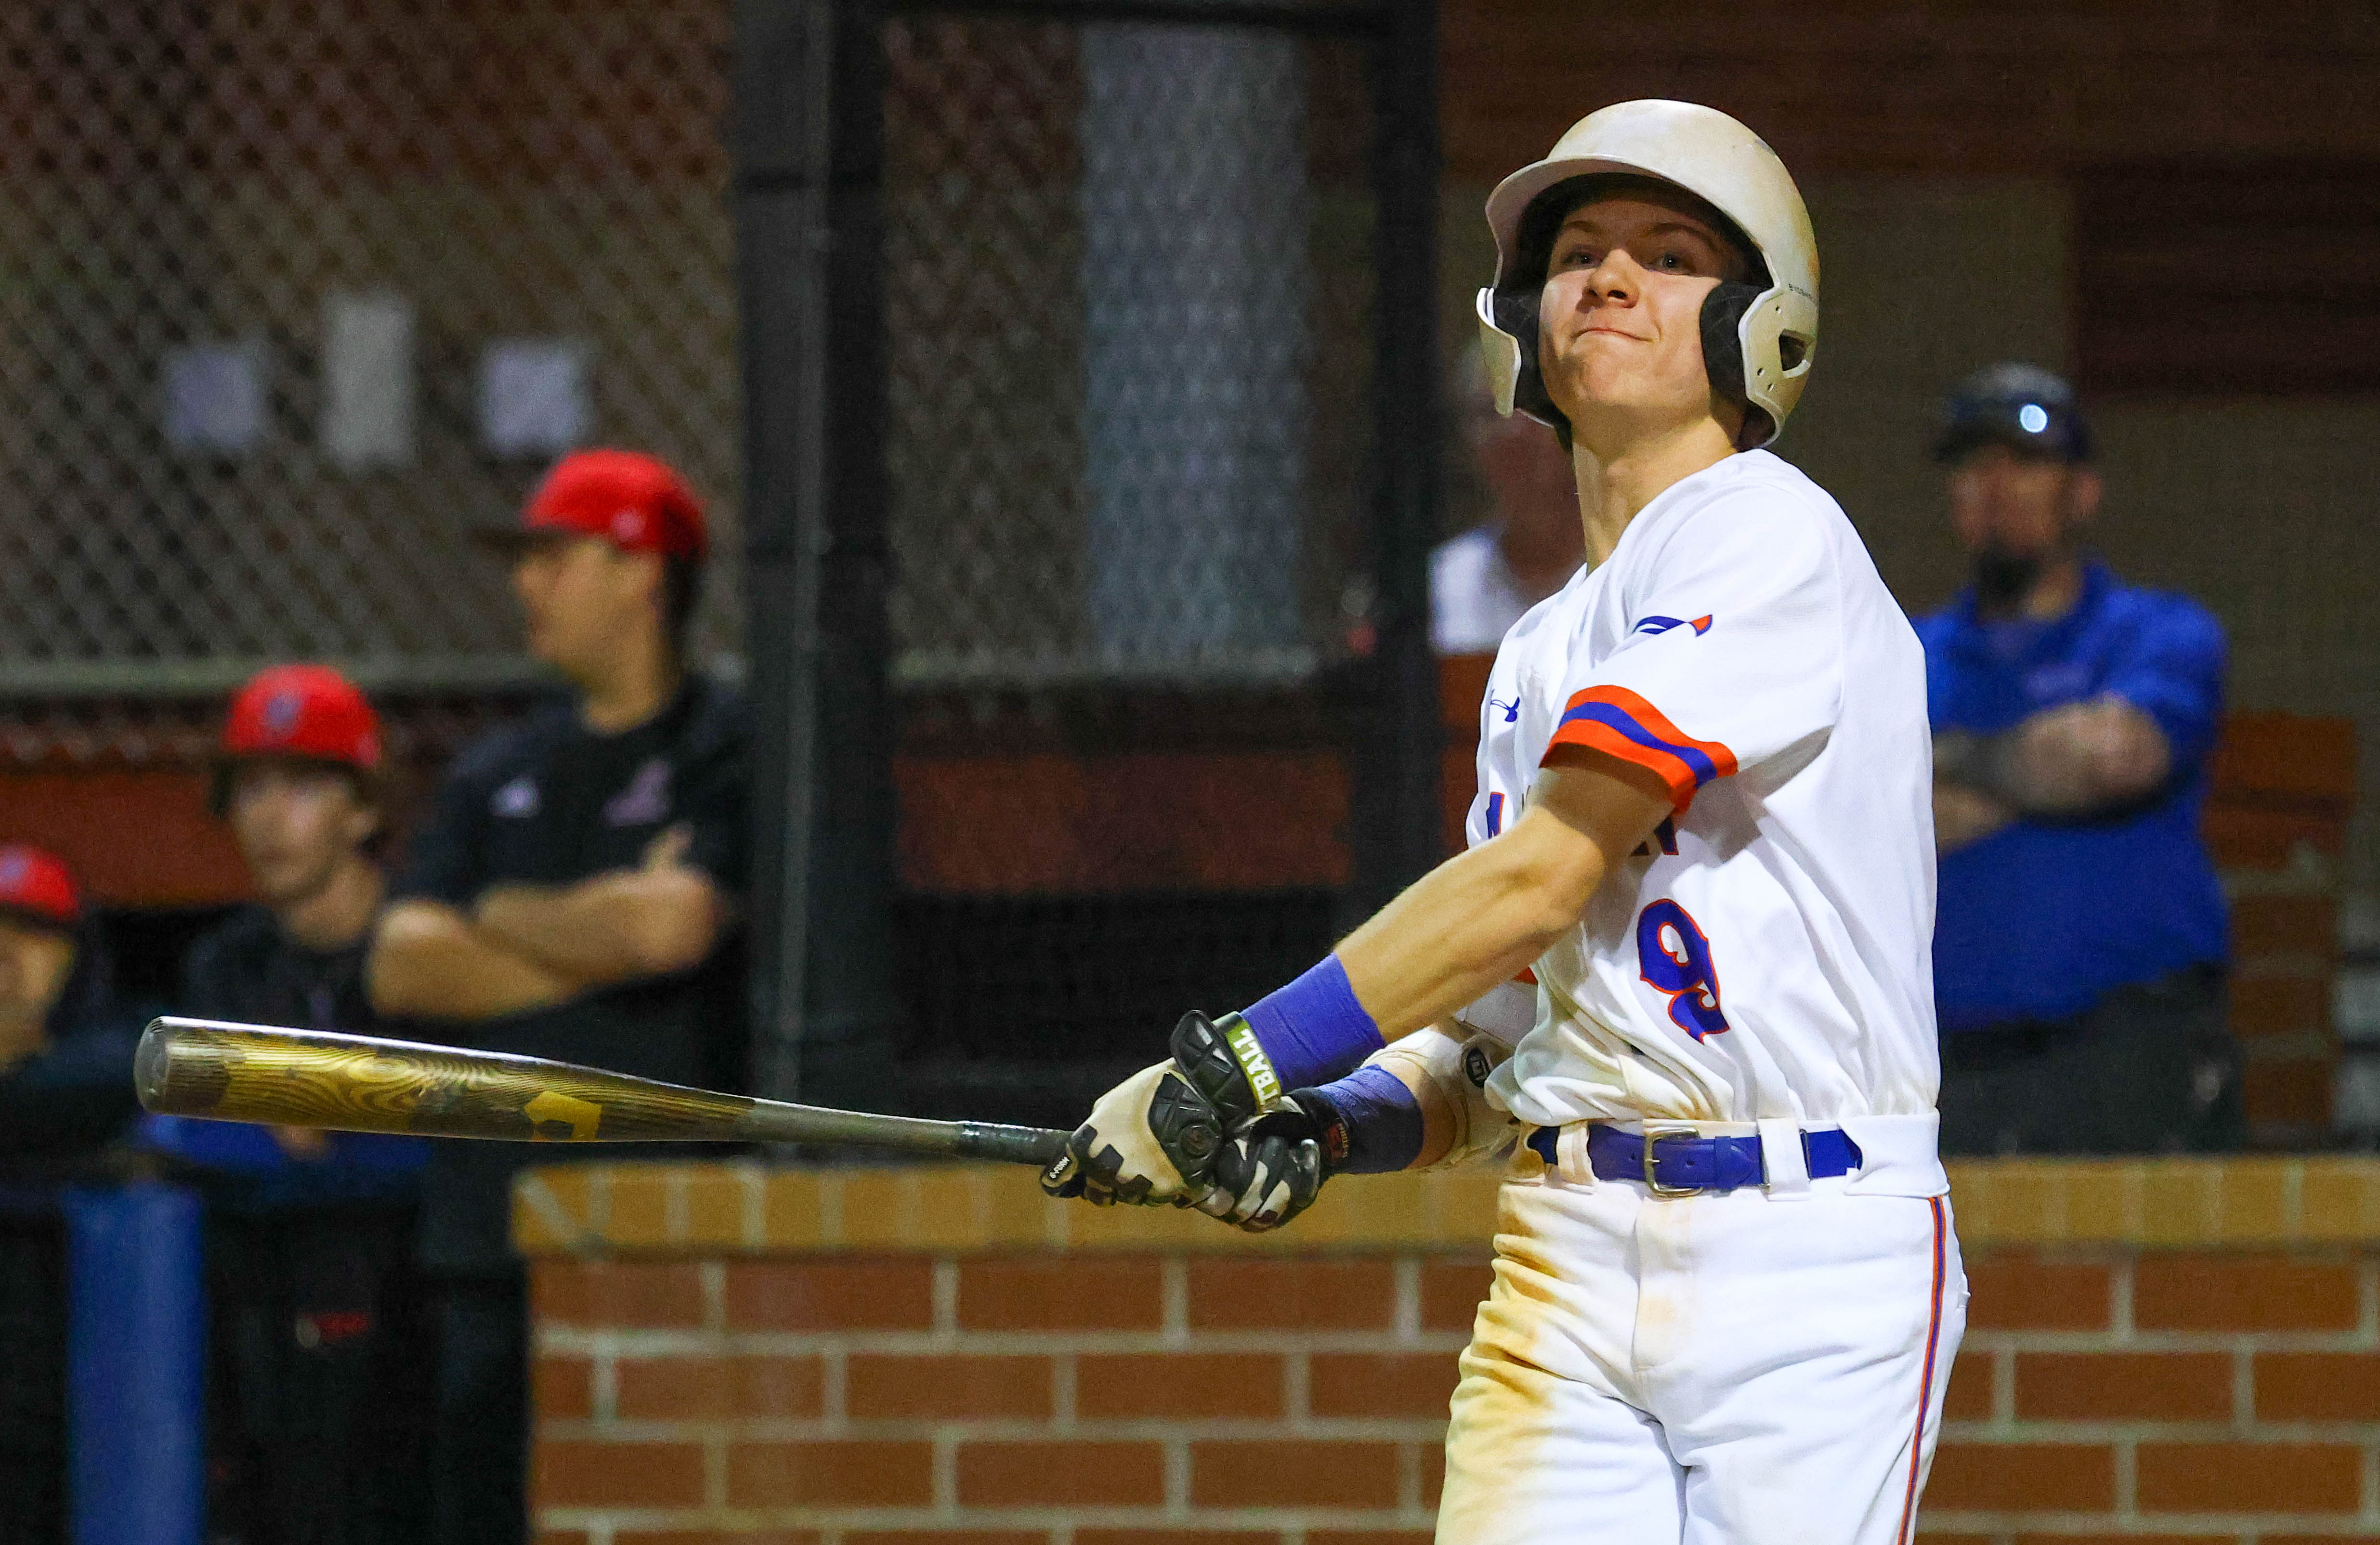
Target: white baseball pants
<point x="1720" y="1370"/>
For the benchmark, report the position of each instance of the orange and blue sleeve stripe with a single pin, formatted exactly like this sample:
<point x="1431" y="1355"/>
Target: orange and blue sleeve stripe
<point x="1618" y="722"/>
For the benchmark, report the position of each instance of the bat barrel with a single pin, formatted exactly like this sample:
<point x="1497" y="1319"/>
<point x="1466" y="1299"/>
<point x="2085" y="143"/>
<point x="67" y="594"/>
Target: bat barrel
<point x="229" y="1072"/>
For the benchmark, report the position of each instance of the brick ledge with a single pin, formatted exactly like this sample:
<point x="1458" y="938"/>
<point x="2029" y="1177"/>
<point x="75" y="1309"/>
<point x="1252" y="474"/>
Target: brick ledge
<point x="749" y="1208"/>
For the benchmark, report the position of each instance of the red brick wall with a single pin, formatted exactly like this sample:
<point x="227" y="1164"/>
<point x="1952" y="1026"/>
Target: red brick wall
<point x="1928" y="86"/>
<point x="968" y="1396"/>
<point x="742" y="1355"/>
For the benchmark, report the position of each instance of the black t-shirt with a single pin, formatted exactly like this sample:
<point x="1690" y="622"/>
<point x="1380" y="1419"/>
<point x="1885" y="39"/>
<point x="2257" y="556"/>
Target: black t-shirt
<point x="550" y="802"/>
<point x="62" y="1106"/>
<point x="247" y="969"/>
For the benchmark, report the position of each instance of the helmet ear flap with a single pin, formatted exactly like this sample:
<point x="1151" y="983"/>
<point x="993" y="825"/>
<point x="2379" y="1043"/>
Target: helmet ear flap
<point x="1516" y="313"/>
<point x="1722" y="329"/>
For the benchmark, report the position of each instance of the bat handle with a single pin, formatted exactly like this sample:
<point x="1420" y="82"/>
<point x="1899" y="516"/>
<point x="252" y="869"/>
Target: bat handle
<point x="1037" y="1146"/>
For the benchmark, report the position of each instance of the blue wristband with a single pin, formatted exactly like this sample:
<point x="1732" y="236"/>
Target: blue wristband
<point x="1374" y="1125"/>
<point x="1314" y="1028"/>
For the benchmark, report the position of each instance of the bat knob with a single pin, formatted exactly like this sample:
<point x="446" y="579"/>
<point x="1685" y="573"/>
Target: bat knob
<point x="151" y="1063"/>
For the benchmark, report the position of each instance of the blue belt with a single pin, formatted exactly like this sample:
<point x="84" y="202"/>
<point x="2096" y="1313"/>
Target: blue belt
<point x="1679" y="1164"/>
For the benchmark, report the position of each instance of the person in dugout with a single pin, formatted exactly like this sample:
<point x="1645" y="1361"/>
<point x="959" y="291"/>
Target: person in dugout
<point x="319" y="1338"/>
<point x="573" y="895"/>
<point x="66" y="1046"/>
<point x="2081" y="936"/>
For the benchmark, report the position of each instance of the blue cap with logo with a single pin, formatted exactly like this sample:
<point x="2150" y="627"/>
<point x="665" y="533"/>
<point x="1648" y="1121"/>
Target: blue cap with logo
<point x="2022" y="406"/>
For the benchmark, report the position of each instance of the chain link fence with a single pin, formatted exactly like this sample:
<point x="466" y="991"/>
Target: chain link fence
<point x="1128" y="293"/>
<point x="293" y="295"/>
<point x="1133" y="298"/>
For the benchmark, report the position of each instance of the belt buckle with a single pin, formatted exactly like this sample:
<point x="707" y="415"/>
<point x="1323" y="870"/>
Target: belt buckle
<point x="1653" y="1132"/>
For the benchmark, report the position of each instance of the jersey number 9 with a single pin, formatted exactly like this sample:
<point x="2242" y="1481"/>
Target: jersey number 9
<point x="1676" y="960"/>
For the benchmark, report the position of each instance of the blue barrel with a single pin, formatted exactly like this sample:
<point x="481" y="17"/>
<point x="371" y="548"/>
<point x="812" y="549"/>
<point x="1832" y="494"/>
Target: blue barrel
<point x="135" y="1366"/>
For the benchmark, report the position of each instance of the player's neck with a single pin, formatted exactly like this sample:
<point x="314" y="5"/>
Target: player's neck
<point x="1616" y="481"/>
<point x="2057" y="590"/>
<point x="632" y="686"/>
<point x="340" y="911"/>
<point x="23" y="1033"/>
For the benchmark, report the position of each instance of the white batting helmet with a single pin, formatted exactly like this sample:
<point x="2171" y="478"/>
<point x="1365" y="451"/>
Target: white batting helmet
<point x="1757" y="339"/>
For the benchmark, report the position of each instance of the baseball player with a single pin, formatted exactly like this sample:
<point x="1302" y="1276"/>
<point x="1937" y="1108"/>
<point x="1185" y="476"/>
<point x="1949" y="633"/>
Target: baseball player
<point x="1726" y="1290"/>
<point x="573" y="895"/>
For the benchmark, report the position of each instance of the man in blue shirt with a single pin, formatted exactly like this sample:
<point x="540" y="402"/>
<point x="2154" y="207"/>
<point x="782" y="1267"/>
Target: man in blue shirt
<point x="2080" y="942"/>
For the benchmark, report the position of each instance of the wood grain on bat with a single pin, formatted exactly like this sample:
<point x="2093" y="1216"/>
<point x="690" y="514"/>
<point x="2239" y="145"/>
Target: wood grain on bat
<point x="205" y="1068"/>
<point x="359" y="1084"/>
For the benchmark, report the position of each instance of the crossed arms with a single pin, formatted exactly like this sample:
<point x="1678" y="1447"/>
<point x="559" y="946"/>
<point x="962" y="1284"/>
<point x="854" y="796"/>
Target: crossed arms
<point x="521" y="947"/>
<point x="2071" y="763"/>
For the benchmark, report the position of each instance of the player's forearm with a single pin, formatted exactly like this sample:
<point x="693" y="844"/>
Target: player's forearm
<point x="1479" y="919"/>
<point x="616" y="927"/>
<point x="1475" y="920"/>
<point x="2068" y="763"/>
<point x="1964" y="815"/>
<point x="427" y="961"/>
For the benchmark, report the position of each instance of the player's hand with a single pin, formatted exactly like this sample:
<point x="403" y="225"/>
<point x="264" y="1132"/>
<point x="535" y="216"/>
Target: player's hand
<point x="1273" y="1171"/>
<point x="1149" y="1141"/>
<point x="307" y="1143"/>
<point x="668" y="849"/>
<point x="1153" y="1137"/>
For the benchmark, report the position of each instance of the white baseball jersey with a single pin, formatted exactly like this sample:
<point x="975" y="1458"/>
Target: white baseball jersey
<point x="1768" y="955"/>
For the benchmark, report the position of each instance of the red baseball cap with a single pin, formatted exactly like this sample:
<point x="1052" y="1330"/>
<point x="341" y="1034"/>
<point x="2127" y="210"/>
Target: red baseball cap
<point x="34" y="884"/>
<point x="635" y="501"/>
<point x="303" y="710"/>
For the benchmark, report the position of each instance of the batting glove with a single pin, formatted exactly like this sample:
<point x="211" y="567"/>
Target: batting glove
<point x="1154" y="1137"/>
<point x="1272" y="1170"/>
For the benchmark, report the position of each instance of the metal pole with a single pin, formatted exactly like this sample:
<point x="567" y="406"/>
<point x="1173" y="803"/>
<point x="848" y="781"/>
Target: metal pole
<point x="808" y="140"/>
<point x="1395" y="755"/>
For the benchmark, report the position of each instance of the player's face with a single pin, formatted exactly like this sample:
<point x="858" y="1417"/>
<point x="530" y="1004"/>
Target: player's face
<point x="34" y="963"/>
<point x="1619" y="320"/>
<point x="2022" y="507"/>
<point x="296" y="824"/>
<point x="582" y="597"/>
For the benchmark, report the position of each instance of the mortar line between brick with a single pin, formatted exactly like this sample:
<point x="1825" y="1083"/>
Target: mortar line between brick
<point x="714" y="1468"/>
<point x="1043" y="1520"/>
<point x="2367" y="1306"/>
<point x="830" y="1203"/>
<point x="1408" y="1477"/>
<point x="1062" y="1387"/>
<point x="1298" y="1385"/>
<point x="2371" y="1482"/>
<point x="2128" y="1475"/>
<point x="1175" y="1278"/>
<point x="2244" y="1387"/>
<point x="1177" y="1476"/>
<point x="678" y="1224"/>
<point x="691" y="1341"/>
<point x="946" y="1298"/>
<point x="835" y="1389"/>
<point x="713" y="1277"/>
<point x="2003" y="1386"/>
<point x="2120" y="1285"/>
<point x="606" y="1393"/>
<point x="946" y="1473"/>
<point x="1408" y="1300"/>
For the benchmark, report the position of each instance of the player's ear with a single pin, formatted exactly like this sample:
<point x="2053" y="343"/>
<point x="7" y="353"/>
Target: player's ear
<point x="2083" y="488"/>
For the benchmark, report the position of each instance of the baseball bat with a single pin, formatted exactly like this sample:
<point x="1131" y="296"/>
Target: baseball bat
<point x="352" y="1083"/>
